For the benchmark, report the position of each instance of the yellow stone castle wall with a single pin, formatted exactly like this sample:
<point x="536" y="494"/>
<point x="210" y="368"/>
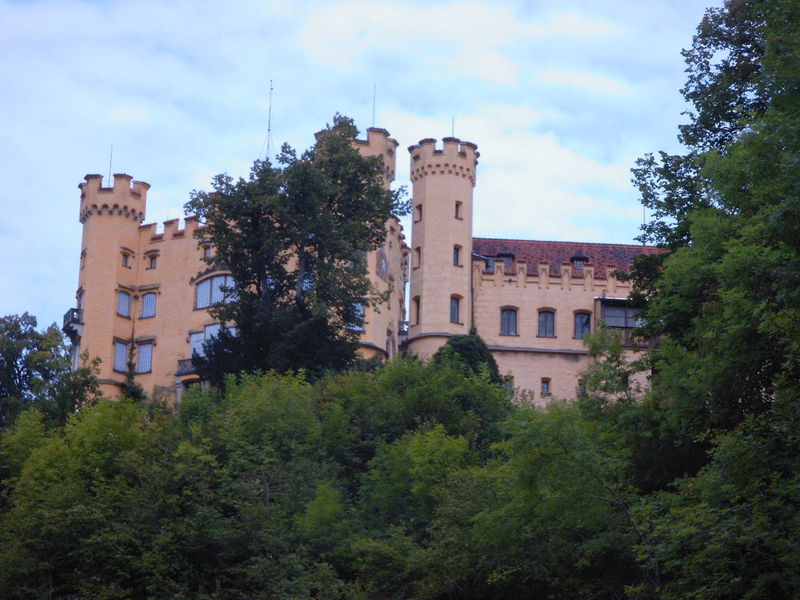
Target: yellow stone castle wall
<point x="111" y="218"/>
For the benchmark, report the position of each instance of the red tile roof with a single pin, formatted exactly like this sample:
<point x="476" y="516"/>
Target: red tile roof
<point x="604" y="258"/>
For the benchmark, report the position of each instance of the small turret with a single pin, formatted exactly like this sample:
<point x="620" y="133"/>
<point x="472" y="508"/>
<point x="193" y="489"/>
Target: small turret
<point x="122" y="199"/>
<point x="455" y="158"/>
<point x="379" y="143"/>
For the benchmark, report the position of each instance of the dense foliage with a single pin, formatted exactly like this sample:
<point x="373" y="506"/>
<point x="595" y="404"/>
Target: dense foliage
<point x="295" y="237"/>
<point x="425" y="481"/>
<point x="36" y="371"/>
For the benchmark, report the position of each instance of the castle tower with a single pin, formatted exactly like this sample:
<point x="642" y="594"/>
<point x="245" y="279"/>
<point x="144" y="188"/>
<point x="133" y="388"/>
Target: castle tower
<point x="381" y="334"/>
<point x="441" y="254"/>
<point x="108" y="269"/>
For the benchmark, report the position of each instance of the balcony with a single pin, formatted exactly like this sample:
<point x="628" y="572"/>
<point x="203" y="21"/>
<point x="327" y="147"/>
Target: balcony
<point x="73" y="323"/>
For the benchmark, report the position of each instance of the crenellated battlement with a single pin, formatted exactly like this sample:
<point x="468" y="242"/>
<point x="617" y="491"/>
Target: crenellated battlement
<point x="456" y="157"/>
<point x="127" y="198"/>
<point x="379" y="143"/>
<point x="172" y="229"/>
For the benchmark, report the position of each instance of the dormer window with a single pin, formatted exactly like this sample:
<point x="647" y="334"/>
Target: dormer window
<point x="579" y="260"/>
<point x="508" y="260"/>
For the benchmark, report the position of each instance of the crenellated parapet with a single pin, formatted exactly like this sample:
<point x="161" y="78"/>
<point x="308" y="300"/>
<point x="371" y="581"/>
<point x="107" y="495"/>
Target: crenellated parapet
<point x="456" y="157"/>
<point x="380" y="143"/>
<point x="172" y="229"/>
<point x="127" y="198"/>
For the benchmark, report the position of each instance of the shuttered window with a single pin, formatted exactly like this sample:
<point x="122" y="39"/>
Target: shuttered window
<point x="123" y="304"/>
<point x="145" y="361"/>
<point x="209" y="291"/>
<point x="149" y="305"/>
<point x="120" y="356"/>
<point x="196" y="341"/>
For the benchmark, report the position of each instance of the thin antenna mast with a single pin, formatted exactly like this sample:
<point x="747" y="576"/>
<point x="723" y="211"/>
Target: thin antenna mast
<point x="110" y="183"/>
<point x="374" y="96"/>
<point x="269" y="123"/>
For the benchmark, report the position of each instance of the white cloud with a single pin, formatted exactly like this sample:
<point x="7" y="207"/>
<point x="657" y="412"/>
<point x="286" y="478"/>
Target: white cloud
<point x="583" y="80"/>
<point x="469" y="38"/>
<point x="127" y="113"/>
<point x="576" y="25"/>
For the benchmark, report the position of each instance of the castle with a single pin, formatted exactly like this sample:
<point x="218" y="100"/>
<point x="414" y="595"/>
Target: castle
<point x="146" y="295"/>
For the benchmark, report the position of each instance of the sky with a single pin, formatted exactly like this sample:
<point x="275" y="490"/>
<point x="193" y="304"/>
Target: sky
<point x="560" y="97"/>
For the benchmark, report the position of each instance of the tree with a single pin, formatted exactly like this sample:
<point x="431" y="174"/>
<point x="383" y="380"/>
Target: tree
<point x="35" y="370"/>
<point x="472" y="352"/>
<point x="294" y="237"/>
<point x="724" y="298"/>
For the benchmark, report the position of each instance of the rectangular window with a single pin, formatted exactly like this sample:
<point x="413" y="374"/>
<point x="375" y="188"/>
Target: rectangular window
<point x="204" y="293"/>
<point x="508" y="321"/>
<point x="123" y="304"/>
<point x="547" y="326"/>
<point x="120" y="356"/>
<point x="144" y="364"/>
<point x="206" y="251"/>
<point x="149" y="305"/>
<point x="217" y="295"/>
<point x="490" y="264"/>
<point x="583" y="324"/>
<point x="125" y="258"/>
<point x="153" y="261"/>
<point x="546" y="388"/>
<point x="359" y="312"/>
<point x="196" y="341"/>
<point x="619" y="314"/>
<point x="458" y="210"/>
<point x="455" y="309"/>
<point x="417" y="257"/>
<point x="198" y="338"/>
<point x="417" y="310"/>
<point x="418" y="212"/>
<point x="456" y="256"/>
<point x="212" y="331"/>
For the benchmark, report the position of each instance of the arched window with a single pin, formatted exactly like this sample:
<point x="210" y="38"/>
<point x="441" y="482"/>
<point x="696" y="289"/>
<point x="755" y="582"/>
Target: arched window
<point x="547" y="323"/>
<point x="455" y="309"/>
<point x="583" y="324"/>
<point x="209" y="291"/>
<point x="149" y="305"/>
<point x="508" y="321"/>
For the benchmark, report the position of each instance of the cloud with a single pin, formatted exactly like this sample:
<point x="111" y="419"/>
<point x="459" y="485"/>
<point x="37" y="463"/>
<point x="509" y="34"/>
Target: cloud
<point x="574" y="24"/>
<point x="131" y="114"/>
<point x="472" y="39"/>
<point x="583" y="80"/>
<point x="530" y="185"/>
